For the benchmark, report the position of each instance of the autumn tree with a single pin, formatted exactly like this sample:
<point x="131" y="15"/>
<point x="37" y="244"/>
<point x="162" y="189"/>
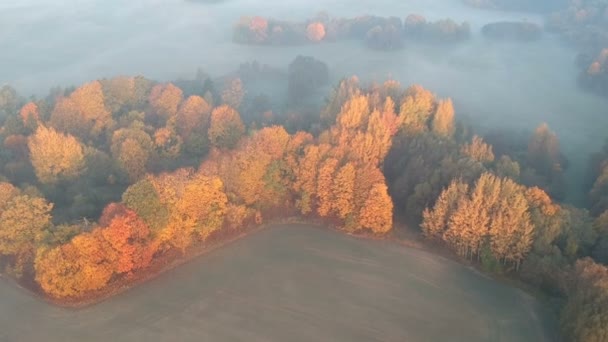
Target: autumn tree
<point x="511" y="231"/>
<point x="165" y="100"/>
<point x="131" y="148"/>
<point x="507" y="167"/>
<point x="30" y="114"/>
<point x="123" y="94"/>
<point x="83" y="113"/>
<point x="305" y="183"/>
<point x="315" y="31"/>
<point x="55" y="156"/>
<point x="443" y="119"/>
<point x="494" y="213"/>
<point x="22" y="222"/>
<point x="196" y="205"/>
<point x="324" y="191"/>
<point x="75" y="268"/>
<point x="143" y="199"/>
<point x="126" y="235"/>
<point x="347" y="89"/>
<point x="192" y="123"/>
<point x="416" y="108"/>
<point x="435" y="221"/>
<point x="226" y="127"/>
<point x="478" y="150"/>
<point x="377" y="213"/>
<point x="7" y="193"/>
<point x="204" y="203"/>
<point x="343" y="190"/>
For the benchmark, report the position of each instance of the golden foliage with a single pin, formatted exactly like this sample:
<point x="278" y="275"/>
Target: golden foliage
<point x="55" y="156"/>
<point x="324" y="186"/>
<point x="495" y="211"/>
<point x="165" y="100"/>
<point x="416" y="108"/>
<point x="75" y="268"/>
<point x="377" y="213"/>
<point x="29" y="113"/>
<point x="226" y="127"/>
<point x="478" y="150"/>
<point x="83" y="113"/>
<point x="7" y="192"/>
<point x="344" y="190"/>
<point x="22" y="221"/>
<point x="443" y="119"/>
<point x="132" y="148"/>
<point x="193" y="116"/>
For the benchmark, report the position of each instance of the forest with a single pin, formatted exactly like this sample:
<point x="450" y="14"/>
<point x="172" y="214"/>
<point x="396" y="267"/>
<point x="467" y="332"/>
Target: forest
<point x="107" y="182"/>
<point x="102" y="181"/>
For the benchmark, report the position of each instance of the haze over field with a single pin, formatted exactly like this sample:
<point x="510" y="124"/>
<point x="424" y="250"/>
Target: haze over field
<point x="281" y="284"/>
<point x="511" y="85"/>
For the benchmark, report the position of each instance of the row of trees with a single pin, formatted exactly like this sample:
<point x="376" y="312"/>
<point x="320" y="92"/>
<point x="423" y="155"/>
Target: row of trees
<point x="377" y="32"/>
<point x="486" y="198"/>
<point x="335" y="177"/>
<point x="493" y="216"/>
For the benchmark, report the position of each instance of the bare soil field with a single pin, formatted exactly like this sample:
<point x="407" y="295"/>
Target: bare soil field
<point x="294" y="283"/>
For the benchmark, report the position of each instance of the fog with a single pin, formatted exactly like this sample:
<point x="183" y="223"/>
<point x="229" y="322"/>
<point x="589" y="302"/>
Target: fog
<point x="513" y="85"/>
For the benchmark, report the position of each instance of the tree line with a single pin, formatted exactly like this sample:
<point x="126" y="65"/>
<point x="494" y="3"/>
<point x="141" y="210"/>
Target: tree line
<point x="157" y="170"/>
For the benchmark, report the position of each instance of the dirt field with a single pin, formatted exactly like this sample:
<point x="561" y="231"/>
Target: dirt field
<point x="293" y="283"/>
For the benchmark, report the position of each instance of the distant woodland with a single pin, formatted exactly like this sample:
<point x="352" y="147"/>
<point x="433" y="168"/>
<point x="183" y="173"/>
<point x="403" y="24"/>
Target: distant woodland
<point x="376" y="32"/>
<point x="583" y="24"/>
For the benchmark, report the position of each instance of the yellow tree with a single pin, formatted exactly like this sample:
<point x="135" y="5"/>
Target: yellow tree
<point x="478" y="150"/>
<point x="193" y="117"/>
<point x="226" y="127"/>
<point x="416" y="108"/>
<point x="83" y="113"/>
<point x="511" y="232"/>
<point x="324" y="186"/>
<point x="253" y="169"/>
<point x="204" y="202"/>
<point x="76" y="268"/>
<point x="55" y="156"/>
<point x="119" y="92"/>
<point x="30" y="114"/>
<point x="377" y="213"/>
<point x="57" y="271"/>
<point x="7" y="193"/>
<point x="272" y="140"/>
<point x="165" y="100"/>
<point x="131" y="148"/>
<point x="306" y="176"/>
<point x="343" y="191"/>
<point x="353" y="117"/>
<point x="22" y="223"/>
<point x="435" y="221"/>
<point x="443" y="119"/>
